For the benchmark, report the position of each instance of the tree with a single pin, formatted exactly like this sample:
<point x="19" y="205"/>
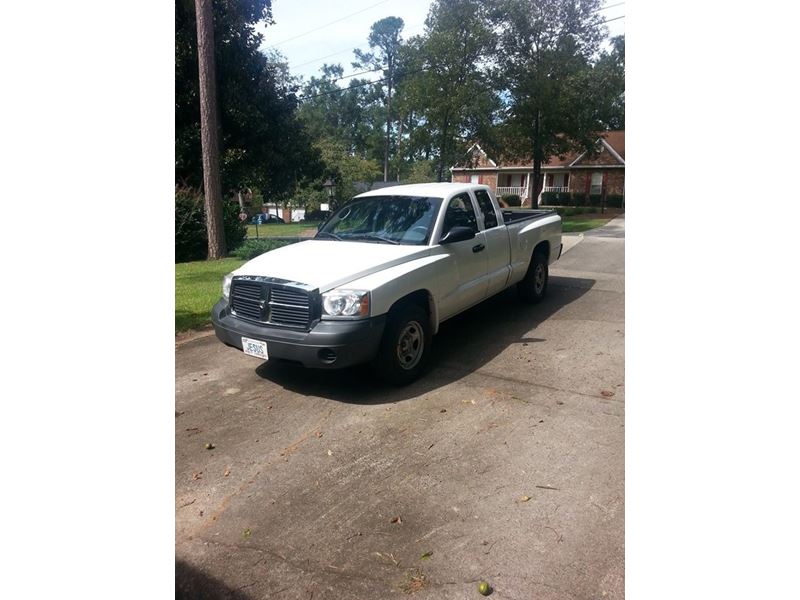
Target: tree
<point x="446" y="83"/>
<point x="263" y="144"/>
<point x="209" y="129"/>
<point x="384" y="40"/>
<point x="348" y="115"/>
<point x="608" y="83"/>
<point x="543" y="61"/>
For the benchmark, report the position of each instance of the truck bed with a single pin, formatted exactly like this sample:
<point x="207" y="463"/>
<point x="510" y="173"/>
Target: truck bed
<point x="524" y="214"/>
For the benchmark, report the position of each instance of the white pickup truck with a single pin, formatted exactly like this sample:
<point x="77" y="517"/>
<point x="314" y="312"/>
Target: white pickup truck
<point x="381" y="275"/>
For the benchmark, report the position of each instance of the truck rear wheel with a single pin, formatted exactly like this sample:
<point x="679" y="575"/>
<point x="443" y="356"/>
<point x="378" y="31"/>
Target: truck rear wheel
<point x="405" y="346"/>
<point x="534" y="286"/>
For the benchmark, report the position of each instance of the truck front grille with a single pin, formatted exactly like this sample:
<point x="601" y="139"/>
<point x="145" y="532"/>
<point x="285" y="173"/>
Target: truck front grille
<point x="271" y="303"/>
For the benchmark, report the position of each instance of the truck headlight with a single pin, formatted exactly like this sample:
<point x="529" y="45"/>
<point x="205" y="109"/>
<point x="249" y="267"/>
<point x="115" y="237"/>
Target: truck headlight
<point x="226" y="286"/>
<point x="346" y="303"/>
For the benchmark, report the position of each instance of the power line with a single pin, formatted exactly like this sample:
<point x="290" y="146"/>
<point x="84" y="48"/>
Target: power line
<point x="342" y="51"/>
<point x="610" y="6"/>
<point x="358" y="12"/>
<point x="323" y="57"/>
<point x="339" y="90"/>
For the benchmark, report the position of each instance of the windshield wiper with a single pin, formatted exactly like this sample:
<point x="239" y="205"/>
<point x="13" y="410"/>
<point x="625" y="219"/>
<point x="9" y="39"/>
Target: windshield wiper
<point x="329" y="234"/>
<point x="372" y="236"/>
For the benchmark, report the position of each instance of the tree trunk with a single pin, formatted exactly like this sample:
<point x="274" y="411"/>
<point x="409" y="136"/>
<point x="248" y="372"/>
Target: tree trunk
<point x="538" y="184"/>
<point x="388" y="125"/>
<point x="443" y="148"/>
<point x="399" y="143"/>
<point x="209" y="132"/>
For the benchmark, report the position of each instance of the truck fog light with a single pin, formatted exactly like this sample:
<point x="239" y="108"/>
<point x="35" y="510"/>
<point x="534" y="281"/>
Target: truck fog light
<point x="327" y="355"/>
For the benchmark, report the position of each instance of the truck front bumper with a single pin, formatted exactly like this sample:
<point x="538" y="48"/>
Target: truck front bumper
<point x="328" y="345"/>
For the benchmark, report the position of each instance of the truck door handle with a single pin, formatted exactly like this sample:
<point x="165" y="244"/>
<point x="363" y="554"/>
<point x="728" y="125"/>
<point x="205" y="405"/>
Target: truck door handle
<point x="478" y="248"/>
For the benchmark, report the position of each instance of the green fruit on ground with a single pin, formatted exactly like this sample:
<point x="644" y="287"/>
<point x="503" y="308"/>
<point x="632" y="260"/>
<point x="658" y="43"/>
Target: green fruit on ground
<point x="484" y="588"/>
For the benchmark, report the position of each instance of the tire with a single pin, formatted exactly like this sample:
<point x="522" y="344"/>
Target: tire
<point x="405" y="346"/>
<point x="534" y="286"/>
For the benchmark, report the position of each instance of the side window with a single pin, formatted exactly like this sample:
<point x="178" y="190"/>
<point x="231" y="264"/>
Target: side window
<point x="460" y="213"/>
<point x="487" y="208"/>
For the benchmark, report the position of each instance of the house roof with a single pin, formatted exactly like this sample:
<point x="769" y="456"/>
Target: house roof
<point x="614" y="139"/>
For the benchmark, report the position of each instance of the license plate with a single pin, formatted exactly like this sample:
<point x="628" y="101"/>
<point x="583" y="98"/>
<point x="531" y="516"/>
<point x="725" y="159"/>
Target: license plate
<point x="255" y="348"/>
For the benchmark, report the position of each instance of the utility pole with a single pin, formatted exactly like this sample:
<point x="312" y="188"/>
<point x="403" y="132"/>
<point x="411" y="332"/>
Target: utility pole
<point x="388" y="121"/>
<point x="209" y="131"/>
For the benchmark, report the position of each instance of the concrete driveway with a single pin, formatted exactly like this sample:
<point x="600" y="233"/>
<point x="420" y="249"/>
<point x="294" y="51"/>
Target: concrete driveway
<point x="505" y="463"/>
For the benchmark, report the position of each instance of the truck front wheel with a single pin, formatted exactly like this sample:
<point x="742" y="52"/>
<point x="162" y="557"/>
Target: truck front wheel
<point x="405" y="346"/>
<point x="534" y="286"/>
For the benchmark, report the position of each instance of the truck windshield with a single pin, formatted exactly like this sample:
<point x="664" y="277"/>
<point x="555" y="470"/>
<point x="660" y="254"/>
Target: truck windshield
<point x="405" y="220"/>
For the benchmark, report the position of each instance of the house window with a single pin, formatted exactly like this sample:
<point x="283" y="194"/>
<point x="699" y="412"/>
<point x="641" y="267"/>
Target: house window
<point x="474" y="178"/>
<point x="597" y="184"/>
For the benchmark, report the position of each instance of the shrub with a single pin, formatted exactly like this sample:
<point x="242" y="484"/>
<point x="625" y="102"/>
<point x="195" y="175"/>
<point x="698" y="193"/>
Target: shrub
<point x="556" y="198"/>
<point x="252" y="248"/>
<point x="191" y="238"/>
<point x="316" y="215"/>
<point x="512" y="199"/>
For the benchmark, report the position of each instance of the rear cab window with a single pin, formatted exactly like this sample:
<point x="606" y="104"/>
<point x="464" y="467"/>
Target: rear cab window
<point x="487" y="209"/>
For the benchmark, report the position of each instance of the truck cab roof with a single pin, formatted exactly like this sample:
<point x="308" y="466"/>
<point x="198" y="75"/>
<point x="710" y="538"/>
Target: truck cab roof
<point x="429" y="190"/>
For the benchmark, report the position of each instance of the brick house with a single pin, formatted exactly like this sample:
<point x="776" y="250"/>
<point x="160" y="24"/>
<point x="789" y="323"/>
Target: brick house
<point x="580" y="176"/>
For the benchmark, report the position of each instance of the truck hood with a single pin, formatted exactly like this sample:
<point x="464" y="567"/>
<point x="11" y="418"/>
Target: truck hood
<point x="326" y="264"/>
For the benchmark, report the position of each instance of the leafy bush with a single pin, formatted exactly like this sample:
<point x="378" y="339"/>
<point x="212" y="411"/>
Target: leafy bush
<point x="191" y="238"/>
<point x="316" y="215"/>
<point x="512" y="199"/>
<point x="252" y="248"/>
<point x="612" y="201"/>
<point x="556" y="198"/>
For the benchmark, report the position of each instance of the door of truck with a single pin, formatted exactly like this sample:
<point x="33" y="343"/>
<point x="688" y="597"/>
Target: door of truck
<point x="498" y="250"/>
<point x="464" y="283"/>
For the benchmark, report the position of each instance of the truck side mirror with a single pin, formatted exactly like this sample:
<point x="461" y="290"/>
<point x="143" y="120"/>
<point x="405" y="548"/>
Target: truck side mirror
<point x="457" y="234"/>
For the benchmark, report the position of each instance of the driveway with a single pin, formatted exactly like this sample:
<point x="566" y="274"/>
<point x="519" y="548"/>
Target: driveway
<point x="505" y="463"/>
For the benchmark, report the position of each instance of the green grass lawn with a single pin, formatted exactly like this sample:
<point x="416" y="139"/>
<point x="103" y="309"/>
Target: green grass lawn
<point x="289" y="229"/>
<point x="579" y="223"/>
<point x="198" y="286"/>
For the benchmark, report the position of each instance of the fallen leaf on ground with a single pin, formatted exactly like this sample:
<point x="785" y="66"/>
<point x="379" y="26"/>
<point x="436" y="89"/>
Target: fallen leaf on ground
<point x="426" y="555"/>
<point x="330" y="453"/>
<point x="227" y="472"/>
<point x="210" y="446"/>
<point x="444" y="410"/>
<point x="607" y="393"/>
<point x="319" y="434"/>
<point x="484" y="589"/>
<point x="246" y="533"/>
<point x="397" y="520"/>
<point x="197" y="476"/>
<point x="524" y="498"/>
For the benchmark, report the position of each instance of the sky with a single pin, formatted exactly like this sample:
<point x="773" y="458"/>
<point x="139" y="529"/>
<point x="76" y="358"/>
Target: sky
<point x="319" y="30"/>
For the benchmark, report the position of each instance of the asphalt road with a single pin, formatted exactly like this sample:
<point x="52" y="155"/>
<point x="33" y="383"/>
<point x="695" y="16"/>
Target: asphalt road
<point x="505" y="463"/>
